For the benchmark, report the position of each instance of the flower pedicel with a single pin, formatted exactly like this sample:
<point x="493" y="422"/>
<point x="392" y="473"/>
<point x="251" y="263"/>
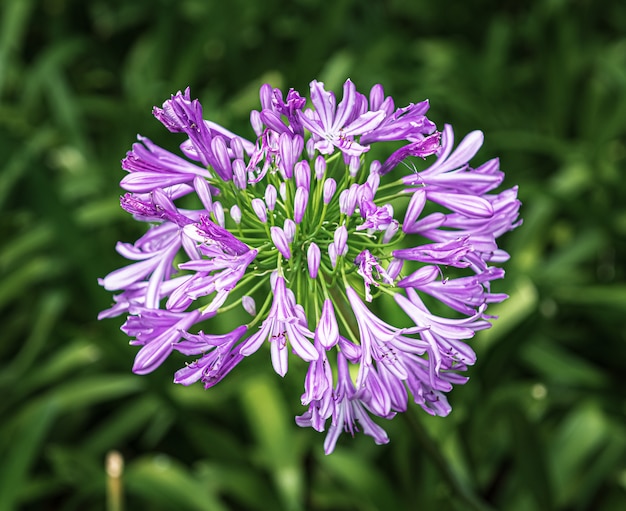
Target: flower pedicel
<point x="306" y="235"/>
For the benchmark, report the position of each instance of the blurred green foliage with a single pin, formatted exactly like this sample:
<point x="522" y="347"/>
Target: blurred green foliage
<point x="540" y="426"/>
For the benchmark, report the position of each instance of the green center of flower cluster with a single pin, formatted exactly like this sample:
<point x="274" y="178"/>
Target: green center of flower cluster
<point x="318" y="225"/>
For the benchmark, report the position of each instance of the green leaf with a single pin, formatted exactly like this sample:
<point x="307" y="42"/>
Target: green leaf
<point x="27" y="436"/>
<point x="583" y="248"/>
<point x="89" y="390"/>
<point x="603" y="468"/>
<point x="246" y="486"/>
<point x="117" y="429"/>
<point x="610" y="295"/>
<point x="362" y="479"/>
<point x="23" y="161"/>
<point x="580" y="436"/>
<point x="33" y="271"/>
<point x="13" y="22"/>
<point x="274" y="431"/>
<point x="522" y="302"/>
<point x="556" y="364"/>
<point x="162" y="481"/>
<point x="530" y="459"/>
<point x="47" y="312"/>
<point x="27" y="245"/>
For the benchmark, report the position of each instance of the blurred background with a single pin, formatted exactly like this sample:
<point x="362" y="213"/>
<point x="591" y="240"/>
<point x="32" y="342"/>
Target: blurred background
<point x="542" y="423"/>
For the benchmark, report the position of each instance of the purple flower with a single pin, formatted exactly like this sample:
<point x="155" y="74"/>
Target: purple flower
<point x="449" y="253"/>
<point x="318" y="394"/>
<point x="338" y="125"/>
<point x="422" y="148"/>
<point x="349" y="408"/>
<point x="375" y="217"/>
<point x="327" y="331"/>
<point x="282" y="325"/>
<point x="151" y="167"/>
<point x="210" y="233"/>
<point x="340" y="238"/>
<point x="274" y="107"/>
<point x="313" y="260"/>
<point x="330" y="186"/>
<point x="408" y="123"/>
<point x="270" y="197"/>
<point x="260" y="209"/>
<point x="367" y="266"/>
<point x="451" y="170"/>
<point x="298" y="233"/>
<point x="219" y="273"/>
<point x="301" y="201"/>
<point x="181" y="114"/>
<point x="154" y="253"/>
<point x="219" y="357"/>
<point x="280" y="241"/>
<point x="289" y="151"/>
<point x="156" y="331"/>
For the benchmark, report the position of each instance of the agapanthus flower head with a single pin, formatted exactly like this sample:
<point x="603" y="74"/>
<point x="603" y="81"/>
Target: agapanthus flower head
<point x="302" y="233"/>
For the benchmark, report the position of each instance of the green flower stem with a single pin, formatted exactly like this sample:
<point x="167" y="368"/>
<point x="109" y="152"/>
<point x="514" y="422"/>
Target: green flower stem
<point x="320" y="222"/>
<point x="114" y="467"/>
<point x="313" y="298"/>
<point x="384" y="199"/>
<point x="389" y="290"/>
<point x="394" y="184"/>
<point x="250" y="292"/>
<point x="261" y="314"/>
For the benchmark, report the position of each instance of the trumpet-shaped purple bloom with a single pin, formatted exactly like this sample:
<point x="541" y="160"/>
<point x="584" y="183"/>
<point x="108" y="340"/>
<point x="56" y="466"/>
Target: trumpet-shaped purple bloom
<point x="301" y="233"/>
<point x="219" y="356"/>
<point x="327" y="331"/>
<point x="318" y="394"/>
<point x="336" y="125"/>
<point x="156" y="331"/>
<point x="150" y="167"/>
<point x="350" y="409"/>
<point x="281" y="325"/>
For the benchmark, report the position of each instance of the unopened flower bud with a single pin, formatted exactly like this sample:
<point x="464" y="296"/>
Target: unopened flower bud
<point x="330" y="185"/>
<point x="280" y="241"/>
<point x="218" y="213"/>
<point x="300" y="203"/>
<point x="270" y="197"/>
<point x="259" y="207"/>
<point x="313" y="258"/>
